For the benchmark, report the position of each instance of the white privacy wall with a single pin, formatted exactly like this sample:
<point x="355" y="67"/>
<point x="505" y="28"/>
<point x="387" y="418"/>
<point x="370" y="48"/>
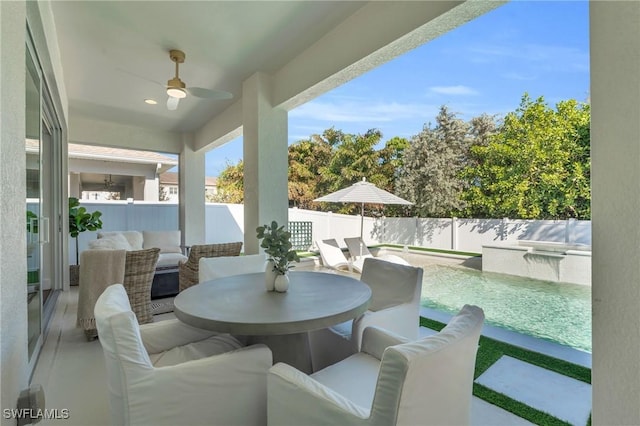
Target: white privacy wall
<point x="225" y="223"/>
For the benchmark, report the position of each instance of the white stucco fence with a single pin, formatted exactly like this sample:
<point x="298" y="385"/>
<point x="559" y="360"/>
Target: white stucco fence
<point x="224" y="223"/>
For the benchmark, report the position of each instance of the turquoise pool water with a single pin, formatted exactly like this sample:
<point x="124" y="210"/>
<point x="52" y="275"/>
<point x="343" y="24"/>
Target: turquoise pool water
<point x="553" y="311"/>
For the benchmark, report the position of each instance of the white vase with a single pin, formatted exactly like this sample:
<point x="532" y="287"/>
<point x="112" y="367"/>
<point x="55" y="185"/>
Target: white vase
<point x="269" y="276"/>
<point x="282" y="283"/>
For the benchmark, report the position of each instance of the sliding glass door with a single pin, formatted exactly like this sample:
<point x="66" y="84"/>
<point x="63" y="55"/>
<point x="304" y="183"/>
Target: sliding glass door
<point x="43" y="200"/>
<point x="33" y="217"/>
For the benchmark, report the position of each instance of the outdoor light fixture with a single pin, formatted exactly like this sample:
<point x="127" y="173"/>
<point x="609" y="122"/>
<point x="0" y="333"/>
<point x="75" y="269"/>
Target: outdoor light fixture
<point x="108" y="184"/>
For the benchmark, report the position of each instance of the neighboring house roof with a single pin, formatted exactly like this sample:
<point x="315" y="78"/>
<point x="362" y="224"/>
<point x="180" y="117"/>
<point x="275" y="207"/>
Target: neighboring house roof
<point x="118" y="154"/>
<point x="171" y="178"/>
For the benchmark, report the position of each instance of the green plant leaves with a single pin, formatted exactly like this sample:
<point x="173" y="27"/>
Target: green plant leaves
<point x="277" y="245"/>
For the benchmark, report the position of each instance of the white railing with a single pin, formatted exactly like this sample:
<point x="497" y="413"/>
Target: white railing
<point x="224" y="223"/>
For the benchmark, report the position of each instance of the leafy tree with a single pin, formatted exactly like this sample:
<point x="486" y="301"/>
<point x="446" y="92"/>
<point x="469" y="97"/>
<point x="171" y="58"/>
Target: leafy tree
<point x="536" y="167"/>
<point x="482" y="128"/>
<point x="432" y="164"/>
<point x="391" y="163"/>
<point x="163" y="193"/>
<point x="354" y="157"/>
<point x="231" y="184"/>
<point x="306" y="157"/>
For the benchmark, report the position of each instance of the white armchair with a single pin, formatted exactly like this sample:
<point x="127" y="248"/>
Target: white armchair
<point x="389" y="382"/>
<point x="169" y="373"/>
<point x="217" y="267"/>
<point x="395" y="306"/>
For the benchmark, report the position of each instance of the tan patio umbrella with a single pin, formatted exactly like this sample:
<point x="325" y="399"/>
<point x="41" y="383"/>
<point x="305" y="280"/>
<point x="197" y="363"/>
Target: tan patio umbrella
<point x="363" y="192"/>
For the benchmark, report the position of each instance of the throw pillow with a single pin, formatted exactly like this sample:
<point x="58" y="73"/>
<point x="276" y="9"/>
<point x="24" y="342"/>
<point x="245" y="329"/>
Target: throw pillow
<point x="113" y="242"/>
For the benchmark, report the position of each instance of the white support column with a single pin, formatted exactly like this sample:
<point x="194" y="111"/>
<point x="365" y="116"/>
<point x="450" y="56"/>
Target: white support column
<point x="454" y="233"/>
<point x="615" y="154"/>
<point x="74" y="185"/>
<point x="151" y="189"/>
<point x="265" y="159"/>
<point x="191" y="193"/>
<point x="138" y="188"/>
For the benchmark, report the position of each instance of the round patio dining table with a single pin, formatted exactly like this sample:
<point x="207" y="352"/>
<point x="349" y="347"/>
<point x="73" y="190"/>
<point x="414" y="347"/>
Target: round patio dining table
<point x="240" y="305"/>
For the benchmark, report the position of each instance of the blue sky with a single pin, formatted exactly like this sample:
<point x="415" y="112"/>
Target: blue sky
<point x="485" y="66"/>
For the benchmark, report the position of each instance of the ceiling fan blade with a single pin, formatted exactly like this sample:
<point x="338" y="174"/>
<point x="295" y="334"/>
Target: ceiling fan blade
<point x="140" y="76"/>
<point x="201" y="92"/>
<point x="172" y="103"/>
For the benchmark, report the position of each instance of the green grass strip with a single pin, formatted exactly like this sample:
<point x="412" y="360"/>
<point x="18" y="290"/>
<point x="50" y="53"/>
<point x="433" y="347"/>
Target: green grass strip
<point x="432" y="250"/>
<point x="303" y="254"/>
<point x="490" y="350"/>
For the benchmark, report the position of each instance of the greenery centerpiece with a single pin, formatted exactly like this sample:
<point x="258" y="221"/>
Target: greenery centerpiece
<point x="80" y="221"/>
<point x="276" y="243"/>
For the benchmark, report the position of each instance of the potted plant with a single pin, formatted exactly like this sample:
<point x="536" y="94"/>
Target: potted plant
<point x="32" y="228"/>
<point x="80" y="221"/>
<point x="277" y="245"/>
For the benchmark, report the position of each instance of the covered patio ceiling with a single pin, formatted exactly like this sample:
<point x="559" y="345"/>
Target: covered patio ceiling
<point x="115" y="54"/>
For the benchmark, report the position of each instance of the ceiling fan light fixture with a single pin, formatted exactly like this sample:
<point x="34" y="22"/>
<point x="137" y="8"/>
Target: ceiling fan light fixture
<point x="176" y="88"/>
<point x="176" y="92"/>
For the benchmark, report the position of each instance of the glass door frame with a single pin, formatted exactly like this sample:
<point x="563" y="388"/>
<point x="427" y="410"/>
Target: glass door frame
<point x="54" y="199"/>
<point x="52" y="243"/>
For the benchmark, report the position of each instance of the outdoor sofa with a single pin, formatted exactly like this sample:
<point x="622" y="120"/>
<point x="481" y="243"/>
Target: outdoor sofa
<point x="165" y="281"/>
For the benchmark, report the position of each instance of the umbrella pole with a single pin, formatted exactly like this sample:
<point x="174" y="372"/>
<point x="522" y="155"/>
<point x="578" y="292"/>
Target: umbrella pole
<point x="361" y="224"/>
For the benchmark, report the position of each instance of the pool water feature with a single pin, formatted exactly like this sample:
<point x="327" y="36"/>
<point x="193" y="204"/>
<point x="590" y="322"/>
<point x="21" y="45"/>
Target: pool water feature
<point x="554" y="311"/>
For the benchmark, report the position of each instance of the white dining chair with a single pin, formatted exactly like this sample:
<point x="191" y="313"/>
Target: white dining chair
<point x="390" y="381"/>
<point x="169" y="373"/>
<point x="395" y="306"/>
<point x="210" y="268"/>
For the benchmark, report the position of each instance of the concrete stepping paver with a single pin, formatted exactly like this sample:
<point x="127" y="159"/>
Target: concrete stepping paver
<point x="484" y="413"/>
<point x="561" y="396"/>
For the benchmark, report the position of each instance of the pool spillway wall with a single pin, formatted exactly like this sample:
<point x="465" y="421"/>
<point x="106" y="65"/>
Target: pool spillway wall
<point x="542" y="260"/>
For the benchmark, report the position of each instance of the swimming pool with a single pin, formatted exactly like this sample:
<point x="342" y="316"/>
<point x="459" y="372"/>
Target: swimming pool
<point x="553" y="311"/>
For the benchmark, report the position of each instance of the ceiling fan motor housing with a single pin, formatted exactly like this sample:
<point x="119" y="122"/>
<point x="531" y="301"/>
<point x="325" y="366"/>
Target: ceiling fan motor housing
<point x="176" y="83"/>
<point x="175" y="86"/>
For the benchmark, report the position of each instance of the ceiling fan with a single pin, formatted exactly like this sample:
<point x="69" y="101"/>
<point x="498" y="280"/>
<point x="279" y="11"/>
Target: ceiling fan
<point x="176" y="88"/>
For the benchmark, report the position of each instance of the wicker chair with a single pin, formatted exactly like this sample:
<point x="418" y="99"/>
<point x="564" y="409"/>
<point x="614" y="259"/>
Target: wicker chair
<point x="188" y="271"/>
<point x="140" y="266"/>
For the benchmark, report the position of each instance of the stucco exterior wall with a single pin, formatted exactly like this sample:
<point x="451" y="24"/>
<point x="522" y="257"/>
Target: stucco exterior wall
<point x="615" y="144"/>
<point x="13" y="263"/>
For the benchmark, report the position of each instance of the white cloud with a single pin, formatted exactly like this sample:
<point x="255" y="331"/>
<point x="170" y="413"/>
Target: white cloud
<point x="454" y="90"/>
<point x="519" y="76"/>
<point x="542" y="56"/>
<point x="360" y="111"/>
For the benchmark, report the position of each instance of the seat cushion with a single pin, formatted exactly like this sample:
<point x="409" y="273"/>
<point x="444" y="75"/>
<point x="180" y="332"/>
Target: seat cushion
<point x="204" y="348"/>
<point x="166" y="241"/>
<point x="170" y="259"/>
<point x="354" y="378"/>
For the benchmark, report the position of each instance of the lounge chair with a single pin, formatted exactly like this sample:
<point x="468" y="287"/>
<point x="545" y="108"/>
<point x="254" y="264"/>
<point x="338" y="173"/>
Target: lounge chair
<point x="358" y="251"/>
<point x="332" y="256"/>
